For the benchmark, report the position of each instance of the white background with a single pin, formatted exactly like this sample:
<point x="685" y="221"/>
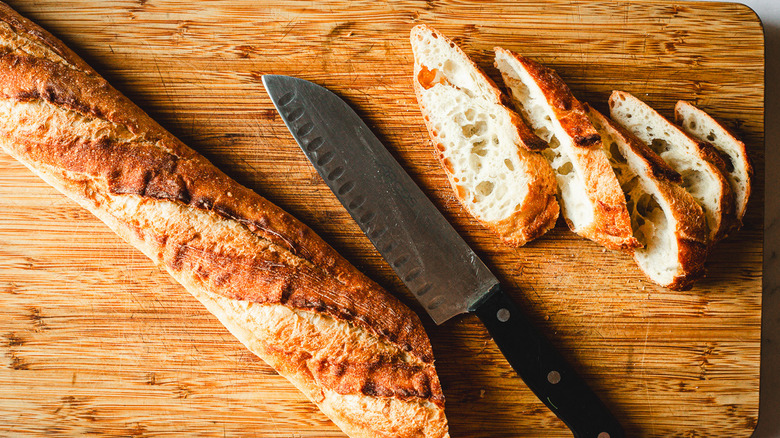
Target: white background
<point x="769" y="407"/>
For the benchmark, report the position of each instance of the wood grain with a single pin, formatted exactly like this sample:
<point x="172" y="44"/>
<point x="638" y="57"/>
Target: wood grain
<point x="96" y="340"/>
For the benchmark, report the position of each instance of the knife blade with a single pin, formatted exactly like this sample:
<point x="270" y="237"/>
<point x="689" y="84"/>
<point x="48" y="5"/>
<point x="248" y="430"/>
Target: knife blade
<point x="428" y="255"/>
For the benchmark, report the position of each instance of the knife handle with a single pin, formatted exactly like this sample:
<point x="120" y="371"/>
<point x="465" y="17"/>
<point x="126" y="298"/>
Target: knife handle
<point x="544" y="370"/>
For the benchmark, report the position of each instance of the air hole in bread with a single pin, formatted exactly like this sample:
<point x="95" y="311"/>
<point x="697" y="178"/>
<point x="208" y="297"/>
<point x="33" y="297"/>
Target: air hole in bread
<point x="729" y="164"/>
<point x="659" y="146"/>
<point x="508" y="164"/>
<point x="691" y="179"/>
<point x="478" y="148"/>
<point x="447" y="164"/>
<point x="711" y="136"/>
<point x="630" y="185"/>
<point x="565" y="168"/>
<point x="643" y="206"/>
<point x="429" y="78"/>
<point x="640" y="235"/>
<point x="449" y="68"/>
<point x="476" y="129"/>
<point x="692" y="124"/>
<point x="475" y="163"/>
<point x="615" y="155"/>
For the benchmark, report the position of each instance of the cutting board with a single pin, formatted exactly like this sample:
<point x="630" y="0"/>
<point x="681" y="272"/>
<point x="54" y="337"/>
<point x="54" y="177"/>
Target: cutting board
<point x="97" y="340"/>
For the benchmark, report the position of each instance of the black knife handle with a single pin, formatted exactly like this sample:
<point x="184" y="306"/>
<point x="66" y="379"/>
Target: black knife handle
<point x="544" y="370"/>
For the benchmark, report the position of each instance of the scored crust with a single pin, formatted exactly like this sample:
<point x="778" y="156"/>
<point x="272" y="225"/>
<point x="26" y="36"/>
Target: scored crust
<point x="642" y="172"/>
<point x="350" y="346"/>
<point x="536" y="210"/>
<point x="586" y="168"/>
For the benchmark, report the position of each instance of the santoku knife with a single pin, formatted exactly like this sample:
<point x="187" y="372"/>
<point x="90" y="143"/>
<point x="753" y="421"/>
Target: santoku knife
<point x="429" y="256"/>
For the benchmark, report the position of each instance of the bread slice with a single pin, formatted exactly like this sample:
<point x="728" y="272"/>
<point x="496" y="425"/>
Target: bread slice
<point x="484" y="147"/>
<point x="665" y="218"/>
<point x="352" y="348"/>
<point x="739" y="172"/>
<point x="699" y="164"/>
<point x="593" y="204"/>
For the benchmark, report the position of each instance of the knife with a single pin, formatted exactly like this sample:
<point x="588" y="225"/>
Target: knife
<point x="429" y="256"/>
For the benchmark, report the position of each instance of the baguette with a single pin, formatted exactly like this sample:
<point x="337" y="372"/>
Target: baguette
<point x="665" y="218"/>
<point x="739" y="171"/>
<point x="483" y="147"/>
<point x="353" y="349"/>
<point x="701" y="167"/>
<point x="590" y="195"/>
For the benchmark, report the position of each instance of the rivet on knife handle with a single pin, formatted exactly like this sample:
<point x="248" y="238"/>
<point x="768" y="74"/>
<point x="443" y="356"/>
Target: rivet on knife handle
<point x="544" y="370"/>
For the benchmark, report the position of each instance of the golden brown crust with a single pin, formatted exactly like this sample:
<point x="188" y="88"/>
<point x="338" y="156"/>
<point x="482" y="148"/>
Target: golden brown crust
<point x="690" y="225"/>
<point x="569" y="111"/>
<point x="31" y="39"/>
<point x="540" y="209"/>
<point x="728" y="220"/>
<point x="535" y="217"/>
<point x="611" y="225"/>
<point x="221" y="240"/>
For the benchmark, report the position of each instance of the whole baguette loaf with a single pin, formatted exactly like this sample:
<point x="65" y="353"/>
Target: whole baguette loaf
<point x="349" y="346"/>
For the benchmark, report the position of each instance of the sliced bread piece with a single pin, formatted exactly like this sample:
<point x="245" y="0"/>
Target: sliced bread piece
<point x="590" y="195"/>
<point x="484" y="147"/>
<point x="699" y="164"/>
<point x="701" y="126"/>
<point x="665" y="218"/>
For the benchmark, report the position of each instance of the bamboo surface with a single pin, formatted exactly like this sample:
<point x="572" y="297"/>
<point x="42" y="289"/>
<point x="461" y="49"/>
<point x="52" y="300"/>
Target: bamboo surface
<point x="97" y="340"/>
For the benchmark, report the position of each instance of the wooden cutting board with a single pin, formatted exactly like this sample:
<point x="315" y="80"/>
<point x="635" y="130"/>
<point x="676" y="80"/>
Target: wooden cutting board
<point x="97" y="340"/>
